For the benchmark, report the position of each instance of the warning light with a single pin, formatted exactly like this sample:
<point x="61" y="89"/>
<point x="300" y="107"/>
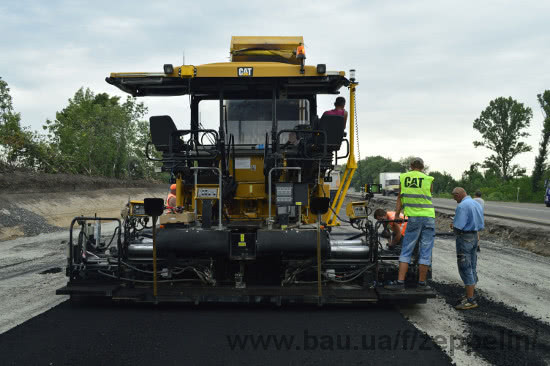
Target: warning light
<point x="301" y="52"/>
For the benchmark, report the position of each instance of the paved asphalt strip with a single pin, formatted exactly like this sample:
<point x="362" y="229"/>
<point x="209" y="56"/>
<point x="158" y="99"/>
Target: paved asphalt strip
<point x="92" y="334"/>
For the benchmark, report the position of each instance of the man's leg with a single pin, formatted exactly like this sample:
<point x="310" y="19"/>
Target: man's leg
<point x="409" y="241"/>
<point x="423" y="272"/>
<point x="465" y="252"/>
<point x="412" y="233"/>
<point x="470" y="289"/>
<point x="403" y="268"/>
<point x="425" y="248"/>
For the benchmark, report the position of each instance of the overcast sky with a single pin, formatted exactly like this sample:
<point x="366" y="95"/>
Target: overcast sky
<point x="426" y="68"/>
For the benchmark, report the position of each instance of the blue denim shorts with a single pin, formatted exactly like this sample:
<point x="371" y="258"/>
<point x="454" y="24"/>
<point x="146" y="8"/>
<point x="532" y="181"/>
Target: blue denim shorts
<point x="466" y="257"/>
<point x="421" y="230"/>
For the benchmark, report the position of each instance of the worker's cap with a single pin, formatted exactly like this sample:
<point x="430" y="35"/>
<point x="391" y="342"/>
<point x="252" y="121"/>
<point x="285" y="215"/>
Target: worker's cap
<point x="416" y="161"/>
<point x="173" y="187"/>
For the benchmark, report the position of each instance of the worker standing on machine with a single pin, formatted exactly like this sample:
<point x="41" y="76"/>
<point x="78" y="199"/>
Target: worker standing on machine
<point x="171" y="198"/>
<point x="339" y="109"/>
<point x="415" y="197"/>
<point x="397" y="228"/>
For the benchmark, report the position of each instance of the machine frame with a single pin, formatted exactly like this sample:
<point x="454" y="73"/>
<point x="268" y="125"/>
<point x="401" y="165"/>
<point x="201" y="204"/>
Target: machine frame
<point x="248" y="225"/>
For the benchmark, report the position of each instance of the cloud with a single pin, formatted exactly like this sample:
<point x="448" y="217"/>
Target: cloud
<point x="426" y="68"/>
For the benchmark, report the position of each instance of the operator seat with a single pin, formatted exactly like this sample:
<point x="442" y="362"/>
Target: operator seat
<point x="162" y="130"/>
<point x="334" y="127"/>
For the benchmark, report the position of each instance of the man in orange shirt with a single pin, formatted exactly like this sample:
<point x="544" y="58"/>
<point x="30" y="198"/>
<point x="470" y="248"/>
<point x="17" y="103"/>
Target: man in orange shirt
<point x="397" y="228"/>
<point x="171" y="198"/>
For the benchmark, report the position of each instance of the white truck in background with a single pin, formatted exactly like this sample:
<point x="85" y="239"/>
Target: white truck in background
<point x="335" y="183"/>
<point x="390" y="183"/>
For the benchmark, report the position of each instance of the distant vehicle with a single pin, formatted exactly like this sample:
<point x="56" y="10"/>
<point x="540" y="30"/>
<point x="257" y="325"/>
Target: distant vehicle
<point x="547" y="194"/>
<point x="334" y="183"/>
<point x="390" y="183"/>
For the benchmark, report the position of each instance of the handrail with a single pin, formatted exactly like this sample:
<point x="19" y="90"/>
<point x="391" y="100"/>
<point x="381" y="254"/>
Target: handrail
<point x="85" y="218"/>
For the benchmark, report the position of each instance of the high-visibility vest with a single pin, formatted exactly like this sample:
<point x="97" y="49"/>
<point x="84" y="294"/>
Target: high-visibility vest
<point x="390" y="215"/>
<point x="416" y="195"/>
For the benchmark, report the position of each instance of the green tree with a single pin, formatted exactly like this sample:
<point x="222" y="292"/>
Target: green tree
<point x="19" y="147"/>
<point x="443" y="182"/>
<point x="369" y="169"/>
<point x="540" y="160"/>
<point x="11" y="133"/>
<point x="406" y="163"/>
<point x="473" y="179"/>
<point x="97" y="134"/>
<point x="501" y="126"/>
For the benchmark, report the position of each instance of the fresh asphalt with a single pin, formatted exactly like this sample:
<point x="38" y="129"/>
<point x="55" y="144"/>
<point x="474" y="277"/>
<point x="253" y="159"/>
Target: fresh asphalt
<point x="125" y="334"/>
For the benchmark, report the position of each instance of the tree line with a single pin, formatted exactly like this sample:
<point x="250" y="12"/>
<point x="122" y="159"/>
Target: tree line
<point x="102" y="135"/>
<point x="502" y="126"/>
<point x="95" y="134"/>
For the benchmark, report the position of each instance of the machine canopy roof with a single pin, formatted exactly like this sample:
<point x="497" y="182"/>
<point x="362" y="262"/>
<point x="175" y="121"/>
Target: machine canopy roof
<point x="239" y="80"/>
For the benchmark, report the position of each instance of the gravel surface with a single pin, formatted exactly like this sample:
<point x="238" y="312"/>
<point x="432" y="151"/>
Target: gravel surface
<point x="499" y="332"/>
<point x="31" y="224"/>
<point x="29" y="214"/>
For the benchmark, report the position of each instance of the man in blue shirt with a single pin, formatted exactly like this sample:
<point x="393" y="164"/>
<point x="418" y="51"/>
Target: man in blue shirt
<point x="467" y="222"/>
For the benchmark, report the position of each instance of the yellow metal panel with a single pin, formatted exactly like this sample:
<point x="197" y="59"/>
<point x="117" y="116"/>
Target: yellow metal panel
<point x="254" y="191"/>
<point x="229" y="70"/>
<point x="260" y="69"/>
<point x="186" y="71"/>
<point x="179" y="191"/>
<point x="267" y="42"/>
<point x="254" y="174"/>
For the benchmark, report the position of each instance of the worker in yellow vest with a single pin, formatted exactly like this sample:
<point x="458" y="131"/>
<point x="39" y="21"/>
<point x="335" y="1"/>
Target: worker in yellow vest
<point x="415" y="198"/>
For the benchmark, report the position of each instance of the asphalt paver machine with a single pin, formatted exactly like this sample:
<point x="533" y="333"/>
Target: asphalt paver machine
<point x="253" y="220"/>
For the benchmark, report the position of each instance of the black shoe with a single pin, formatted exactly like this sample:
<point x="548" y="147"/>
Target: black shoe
<point x="461" y="300"/>
<point x="395" y="286"/>
<point x="467" y="304"/>
<point x="424" y="287"/>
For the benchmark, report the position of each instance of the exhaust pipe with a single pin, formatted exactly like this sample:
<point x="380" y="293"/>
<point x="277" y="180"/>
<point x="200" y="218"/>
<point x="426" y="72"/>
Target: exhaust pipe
<point x="348" y="249"/>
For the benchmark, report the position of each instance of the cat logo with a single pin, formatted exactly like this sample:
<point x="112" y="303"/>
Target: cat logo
<point x="245" y="71"/>
<point x="413" y="182"/>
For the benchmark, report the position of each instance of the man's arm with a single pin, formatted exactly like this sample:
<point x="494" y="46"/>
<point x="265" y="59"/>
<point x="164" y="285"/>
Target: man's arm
<point x="396" y="234"/>
<point x="346" y="116"/>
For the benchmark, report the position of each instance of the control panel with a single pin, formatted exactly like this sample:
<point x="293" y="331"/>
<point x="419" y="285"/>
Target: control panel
<point x="207" y="192"/>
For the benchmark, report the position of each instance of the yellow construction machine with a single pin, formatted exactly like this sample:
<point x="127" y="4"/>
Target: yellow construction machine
<point x="252" y="220"/>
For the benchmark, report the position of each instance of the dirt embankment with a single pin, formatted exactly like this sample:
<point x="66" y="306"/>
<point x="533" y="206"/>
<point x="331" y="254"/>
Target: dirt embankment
<point x="31" y="182"/>
<point x="32" y="204"/>
<point x="536" y="240"/>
